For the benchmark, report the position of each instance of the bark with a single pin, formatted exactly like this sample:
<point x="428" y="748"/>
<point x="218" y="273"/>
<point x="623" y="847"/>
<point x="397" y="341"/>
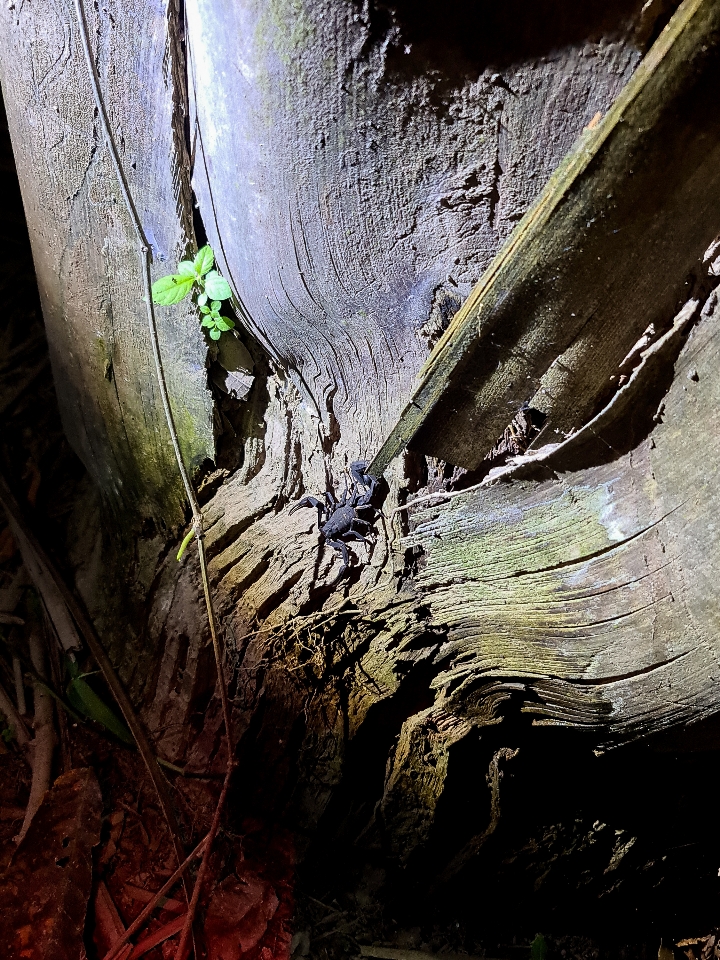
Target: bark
<point x="576" y="591"/>
<point x="87" y="265"/>
<point x="370" y="175"/>
<point x="611" y="246"/>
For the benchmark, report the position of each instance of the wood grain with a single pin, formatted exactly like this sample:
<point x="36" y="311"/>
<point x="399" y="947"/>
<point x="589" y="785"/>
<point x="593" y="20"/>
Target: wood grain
<point x="611" y="245"/>
<point x="358" y="177"/>
<point x="86" y="260"/>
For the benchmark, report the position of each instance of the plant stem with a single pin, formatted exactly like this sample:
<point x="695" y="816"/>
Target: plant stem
<point x="160" y="371"/>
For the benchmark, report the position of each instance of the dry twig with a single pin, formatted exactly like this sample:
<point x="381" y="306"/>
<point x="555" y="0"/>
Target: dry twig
<point x="15" y="720"/>
<point x="43" y="742"/>
<point x="70" y="622"/>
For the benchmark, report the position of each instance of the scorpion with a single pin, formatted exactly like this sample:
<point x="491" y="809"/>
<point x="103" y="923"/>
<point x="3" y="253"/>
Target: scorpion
<point x="338" y="519"/>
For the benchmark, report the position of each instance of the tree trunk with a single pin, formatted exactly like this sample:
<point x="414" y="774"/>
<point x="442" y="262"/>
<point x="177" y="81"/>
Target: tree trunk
<point x="86" y="260"/>
<point x="357" y="166"/>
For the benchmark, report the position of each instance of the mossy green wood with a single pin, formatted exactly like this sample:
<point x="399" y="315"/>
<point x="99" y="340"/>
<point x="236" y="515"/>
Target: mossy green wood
<point x="587" y="600"/>
<point x="582" y="593"/>
<point x="609" y="247"/>
<point x="595" y="585"/>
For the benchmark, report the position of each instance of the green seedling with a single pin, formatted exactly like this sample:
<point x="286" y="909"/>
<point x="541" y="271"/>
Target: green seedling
<point x="197" y="277"/>
<point x="184" y="545"/>
<point x="213" y="321"/>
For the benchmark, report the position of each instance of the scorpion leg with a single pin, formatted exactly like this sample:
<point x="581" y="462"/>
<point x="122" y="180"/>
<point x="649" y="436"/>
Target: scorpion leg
<point x="341" y="548"/>
<point x="364" y="523"/>
<point x="310" y="502"/>
<point x="353" y="534"/>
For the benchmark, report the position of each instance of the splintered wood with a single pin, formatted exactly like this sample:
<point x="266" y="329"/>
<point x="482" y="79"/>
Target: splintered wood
<point x="611" y="245"/>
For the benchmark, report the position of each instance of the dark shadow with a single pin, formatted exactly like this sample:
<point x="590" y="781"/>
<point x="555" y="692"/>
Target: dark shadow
<point x="618" y="846"/>
<point x="621" y="847"/>
<point x="462" y="38"/>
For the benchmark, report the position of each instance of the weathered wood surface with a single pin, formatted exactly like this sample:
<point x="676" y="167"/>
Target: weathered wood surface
<point x="576" y="588"/>
<point x="586" y="599"/>
<point x="86" y="259"/>
<point x="611" y="246"/>
<point x="359" y="175"/>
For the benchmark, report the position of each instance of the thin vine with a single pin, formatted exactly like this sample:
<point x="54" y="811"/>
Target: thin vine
<point x="146" y="258"/>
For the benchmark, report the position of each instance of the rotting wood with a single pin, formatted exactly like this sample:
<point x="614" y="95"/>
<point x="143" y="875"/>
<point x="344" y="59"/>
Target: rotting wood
<point x="372" y="206"/>
<point x="608" y="248"/>
<point x="473" y="847"/>
<point x="586" y="597"/>
<point x="316" y="690"/>
<point x="580" y="594"/>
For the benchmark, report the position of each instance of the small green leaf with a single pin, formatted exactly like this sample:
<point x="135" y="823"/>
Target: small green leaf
<point x="208" y="322"/>
<point x="82" y="696"/>
<point x="202" y="299"/>
<point x="222" y="323"/>
<point x="186" y="269"/>
<point x="171" y="289"/>
<point x="204" y="260"/>
<point x="204" y="309"/>
<point x="215" y="334"/>
<point x="215" y="306"/>
<point x="217" y="287"/>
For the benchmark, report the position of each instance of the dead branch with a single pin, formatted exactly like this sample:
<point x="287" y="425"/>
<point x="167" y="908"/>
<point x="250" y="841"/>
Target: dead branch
<point x="19" y="686"/>
<point x="44" y="740"/>
<point x="70" y="622"/>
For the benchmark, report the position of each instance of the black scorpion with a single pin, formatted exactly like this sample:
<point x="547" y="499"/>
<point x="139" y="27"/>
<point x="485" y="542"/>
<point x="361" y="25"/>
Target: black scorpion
<point x="338" y="519"/>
